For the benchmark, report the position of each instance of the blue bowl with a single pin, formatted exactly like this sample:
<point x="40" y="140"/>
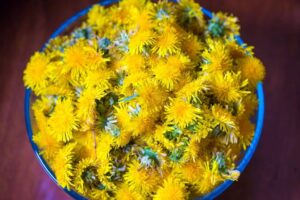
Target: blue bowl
<point x="213" y="194"/>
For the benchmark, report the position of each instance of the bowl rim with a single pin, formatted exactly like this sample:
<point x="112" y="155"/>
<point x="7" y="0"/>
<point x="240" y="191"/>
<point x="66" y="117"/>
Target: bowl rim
<point x="214" y="193"/>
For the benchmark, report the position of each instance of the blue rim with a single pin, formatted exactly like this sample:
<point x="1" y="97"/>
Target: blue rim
<point x="218" y="190"/>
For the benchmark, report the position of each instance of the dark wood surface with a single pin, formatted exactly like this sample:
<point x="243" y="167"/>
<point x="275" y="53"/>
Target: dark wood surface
<point x="273" y="27"/>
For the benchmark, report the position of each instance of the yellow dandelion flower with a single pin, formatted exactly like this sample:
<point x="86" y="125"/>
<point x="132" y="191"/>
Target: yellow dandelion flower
<point x="96" y="194"/>
<point x="133" y="4"/>
<point x="159" y="136"/>
<point x="63" y="165"/>
<point x="192" y="46"/>
<point x="98" y="79"/>
<point x="250" y="103"/>
<point x="133" y="80"/>
<point x="124" y="193"/>
<point x="104" y="146"/>
<point x="134" y="62"/>
<point x="191" y="172"/>
<point x="42" y="108"/>
<point x="96" y="17"/>
<point x="227" y="87"/>
<point x="79" y="173"/>
<point x="167" y="42"/>
<point x="246" y="132"/>
<point x="224" y="119"/>
<point x="229" y="23"/>
<point x="181" y="113"/>
<point x="123" y="139"/>
<point x="210" y="177"/>
<point x="86" y="144"/>
<point x="122" y="114"/>
<point x="179" y="61"/>
<point x="151" y="96"/>
<point x="191" y="16"/>
<point x="86" y="103"/>
<point x="191" y="90"/>
<point x="142" y="180"/>
<point x="140" y="40"/>
<point x="143" y="123"/>
<point x="47" y="144"/>
<point x="192" y="151"/>
<point x="166" y="74"/>
<point x="141" y="19"/>
<point x="216" y="57"/>
<point x="171" y="189"/>
<point x="75" y="62"/>
<point x="94" y="59"/>
<point x="62" y="121"/>
<point x="251" y="69"/>
<point x="35" y="74"/>
<point x="237" y="51"/>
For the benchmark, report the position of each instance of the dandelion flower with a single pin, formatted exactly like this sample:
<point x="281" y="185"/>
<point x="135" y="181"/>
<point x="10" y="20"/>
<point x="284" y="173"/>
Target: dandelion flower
<point x="209" y="178"/>
<point x="139" y="40"/>
<point x="42" y="108"/>
<point x="35" y="74"/>
<point x="167" y="42"/>
<point x="151" y="96"/>
<point x="181" y="112"/>
<point x="80" y="168"/>
<point x="134" y="62"/>
<point x="250" y="103"/>
<point x="63" y="165"/>
<point x="191" y="171"/>
<point x="62" y="121"/>
<point x="191" y="90"/>
<point x="94" y="59"/>
<point x="192" y="46"/>
<point x="104" y="146"/>
<point x="98" y="79"/>
<point x="216" y="57"/>
<point x="142" y="180"/>
<point x="193" y="149"/>
<point x="143" y="123"/>
<point x="227" y="88"/>
<point x="251" y="69"/>
<point x="246" y="132"/>
<point x="171" y="189"/>
<point x="223" y="118"/>
<point x="96" y="17"/>
<point x="86" y="103"/>
<point x="75" y="59"/>
<point x="47" y="144"/>
<point x="166" y="74"/>
<point x="124" y="193"/>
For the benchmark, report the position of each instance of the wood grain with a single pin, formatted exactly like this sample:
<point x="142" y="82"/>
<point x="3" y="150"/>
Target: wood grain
<point x="272" y="26"/>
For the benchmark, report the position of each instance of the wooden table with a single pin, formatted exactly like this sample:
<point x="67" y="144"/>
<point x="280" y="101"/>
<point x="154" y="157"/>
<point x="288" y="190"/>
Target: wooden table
<point x="273" y="27"/>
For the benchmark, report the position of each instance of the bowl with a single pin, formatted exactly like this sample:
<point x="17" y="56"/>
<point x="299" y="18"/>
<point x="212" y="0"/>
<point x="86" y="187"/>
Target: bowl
<point x="241" y="165"/>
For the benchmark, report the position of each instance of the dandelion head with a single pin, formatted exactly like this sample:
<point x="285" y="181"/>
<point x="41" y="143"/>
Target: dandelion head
<point x="252" y="69"/>
<point x="63" y="165"/>
<point x="171" y="189"/>
<point x="142" y="180"/>
<point x="181" y="112"/>
<point x="35" y="74"/>
<point x="62" y="121"/>
<point x="167" y="42"/>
